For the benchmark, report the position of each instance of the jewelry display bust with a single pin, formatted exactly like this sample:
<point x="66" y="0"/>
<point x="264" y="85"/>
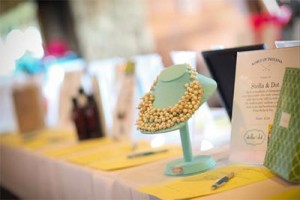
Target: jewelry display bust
<point x="174" y="97"/>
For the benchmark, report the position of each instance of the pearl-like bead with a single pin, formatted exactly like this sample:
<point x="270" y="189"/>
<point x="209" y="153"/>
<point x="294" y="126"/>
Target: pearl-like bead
<point x="152" y="119"/>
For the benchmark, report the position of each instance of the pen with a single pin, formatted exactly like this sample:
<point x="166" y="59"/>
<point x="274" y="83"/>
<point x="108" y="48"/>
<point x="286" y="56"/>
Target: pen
<point x="222" y="181"/>
<point x="146" y="153"/>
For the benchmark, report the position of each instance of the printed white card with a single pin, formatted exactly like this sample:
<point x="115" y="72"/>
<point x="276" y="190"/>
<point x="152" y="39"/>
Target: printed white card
<point x="258" y="80"/>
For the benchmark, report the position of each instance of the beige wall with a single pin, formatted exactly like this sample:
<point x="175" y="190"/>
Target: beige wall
<point x="197" y="24"/>
<point x="109" y="28"/>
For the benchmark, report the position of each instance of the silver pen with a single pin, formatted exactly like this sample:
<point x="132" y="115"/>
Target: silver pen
<point x="222" y="181"/>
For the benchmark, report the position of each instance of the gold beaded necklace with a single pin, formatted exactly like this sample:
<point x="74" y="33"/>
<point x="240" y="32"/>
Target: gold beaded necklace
<point x="153" y="119"/>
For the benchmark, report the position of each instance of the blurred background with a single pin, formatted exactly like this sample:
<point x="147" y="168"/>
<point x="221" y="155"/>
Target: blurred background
<point x="62" y="45"/>
<point x="54" y="52"/>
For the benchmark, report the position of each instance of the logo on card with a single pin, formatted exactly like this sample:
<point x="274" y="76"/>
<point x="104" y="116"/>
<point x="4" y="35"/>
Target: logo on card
<point x="266" y="63"/>
<point x="254" y="137"/>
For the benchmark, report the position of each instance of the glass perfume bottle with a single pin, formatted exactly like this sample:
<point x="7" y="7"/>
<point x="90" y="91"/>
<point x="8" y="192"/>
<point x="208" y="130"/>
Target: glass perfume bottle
<point x="92" y="118"/>
<point x="79" y="120"/>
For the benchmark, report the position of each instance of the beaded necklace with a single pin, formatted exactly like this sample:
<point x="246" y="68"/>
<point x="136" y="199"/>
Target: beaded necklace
<point x="153" y="119"/>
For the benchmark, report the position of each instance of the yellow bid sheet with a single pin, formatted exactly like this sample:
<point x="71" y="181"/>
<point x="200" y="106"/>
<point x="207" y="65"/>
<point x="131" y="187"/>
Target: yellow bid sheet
<point x="201" y="184"/>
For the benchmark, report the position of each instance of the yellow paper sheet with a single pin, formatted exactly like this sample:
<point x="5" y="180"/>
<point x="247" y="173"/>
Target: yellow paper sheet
<point x="291" y="194"/>
<point x="200" y="184"/>
<point x="78" y="147"/>
<point x="122" y="161"/>
<point x="38" y="139"/>
<point x="48" y="137"/>
<point x="11" y="139"/>
<point x="111" y="150"/>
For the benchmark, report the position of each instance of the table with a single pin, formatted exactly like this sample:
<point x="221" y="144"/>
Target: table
<point x="31" y="175"/>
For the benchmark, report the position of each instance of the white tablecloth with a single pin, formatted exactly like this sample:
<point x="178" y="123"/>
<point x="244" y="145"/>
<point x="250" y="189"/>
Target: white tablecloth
<point x="31" y="175"/>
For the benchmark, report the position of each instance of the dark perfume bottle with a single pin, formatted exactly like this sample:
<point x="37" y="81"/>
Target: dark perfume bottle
<point x="79" y="120"/>
<point x="92" y="118"/>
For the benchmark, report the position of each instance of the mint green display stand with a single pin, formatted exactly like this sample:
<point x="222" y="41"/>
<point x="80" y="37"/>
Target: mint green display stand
<point x="169" y="89"/>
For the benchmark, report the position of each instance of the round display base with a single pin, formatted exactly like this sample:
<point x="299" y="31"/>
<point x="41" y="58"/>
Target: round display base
<point x="180" y="167"/>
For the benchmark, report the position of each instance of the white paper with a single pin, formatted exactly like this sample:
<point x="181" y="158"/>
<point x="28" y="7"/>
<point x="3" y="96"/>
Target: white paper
<point x="285" y="119"/>
<point x="288" y="43"/>
<point x="258" y="81"/>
